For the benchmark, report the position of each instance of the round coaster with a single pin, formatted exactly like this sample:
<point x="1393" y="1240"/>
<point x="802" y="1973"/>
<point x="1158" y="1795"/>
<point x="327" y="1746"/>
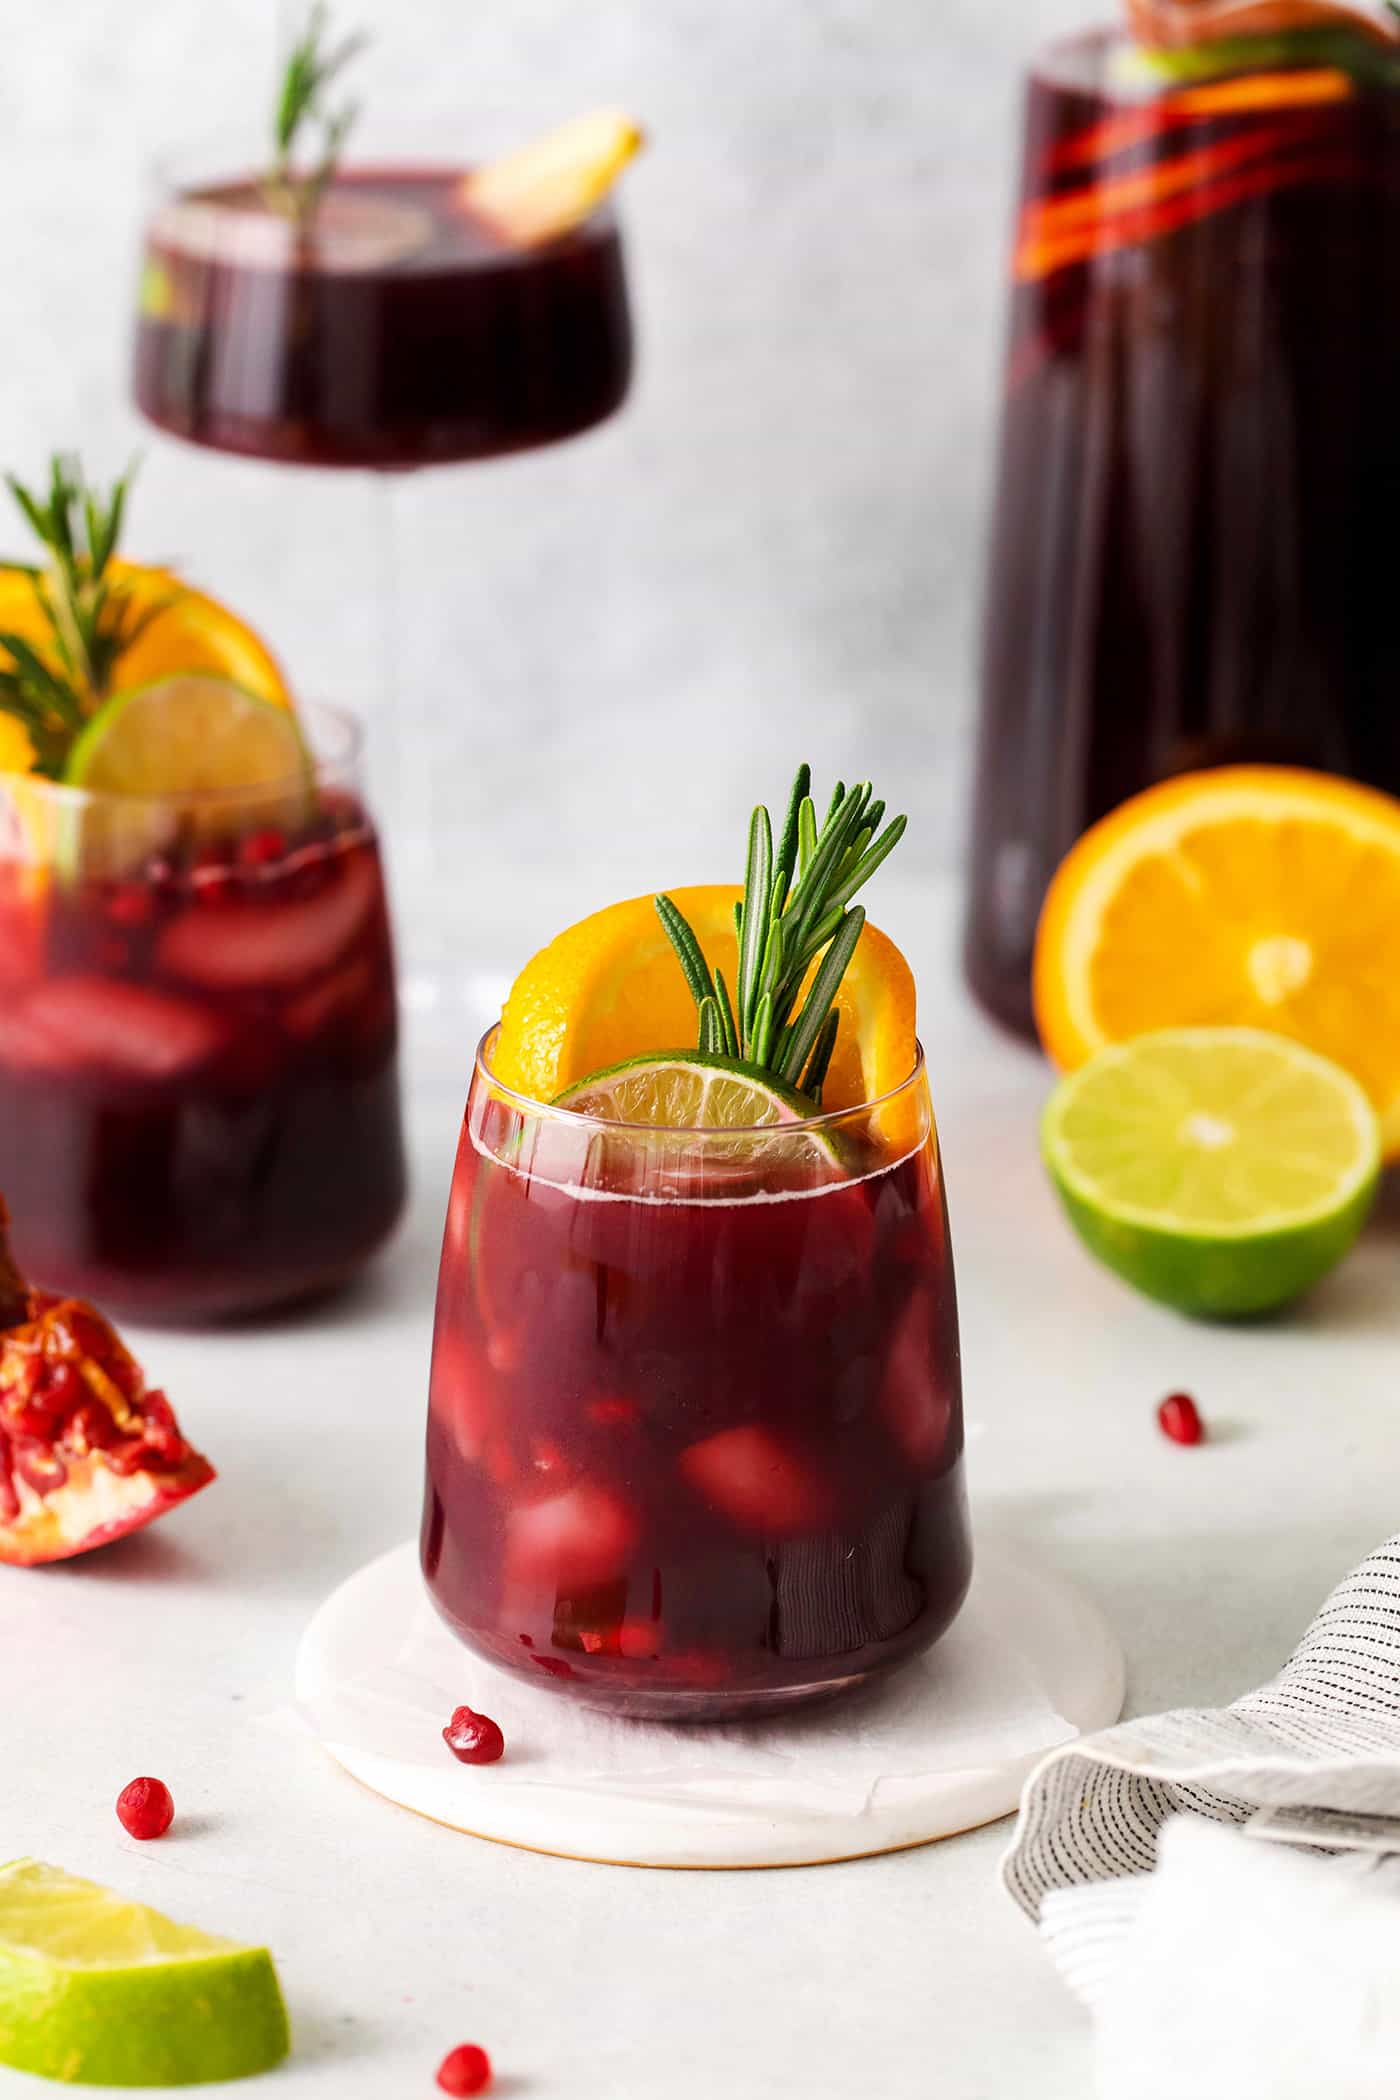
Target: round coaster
<point x="942" y="1747"/>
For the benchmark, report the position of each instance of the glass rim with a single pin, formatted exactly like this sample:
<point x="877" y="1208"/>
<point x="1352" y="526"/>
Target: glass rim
<point x="341" y="728"/>
<point x="570" y="1118"/>
<point x="186" y="166"/>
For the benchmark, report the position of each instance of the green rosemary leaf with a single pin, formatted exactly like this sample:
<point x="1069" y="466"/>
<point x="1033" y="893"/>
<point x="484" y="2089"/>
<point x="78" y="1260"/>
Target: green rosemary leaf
<point x="711" y="1029"/>
<point x="809" y="903"/>
<point x="838" y="796"/>
<point x="758" y="882"/>
<point x="806" y="835"/>
<point x="312" y="66"/>
<point x="37" y="516"/>
<point x="855" y="849"/>
<point x="678" y="932"/>
<point x="761" y="1043"/>
<point x="873" y="816"/>
<point x="21" y="568"/>
<point x="38" y="676"/>
<point x="819" y="1062"/>
<point x="726" y="1015"/>
<point x="817" y="939"/>
<point x="739" y="923"/>
<point x="825" y="985"/>
<point x="771" y="969"/>
<point x="787" y="841"/>
<point x="865" y="867"/>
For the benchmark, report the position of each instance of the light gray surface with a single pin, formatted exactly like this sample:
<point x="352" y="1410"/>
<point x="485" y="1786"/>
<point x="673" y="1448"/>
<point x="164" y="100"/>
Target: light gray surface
<point x="775" y="545"/>
<point x="908" y="1977"/>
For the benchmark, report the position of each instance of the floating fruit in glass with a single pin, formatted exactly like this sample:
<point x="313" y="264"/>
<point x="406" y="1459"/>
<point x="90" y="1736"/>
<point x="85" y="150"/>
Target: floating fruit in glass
<point x="695" y="1429"/>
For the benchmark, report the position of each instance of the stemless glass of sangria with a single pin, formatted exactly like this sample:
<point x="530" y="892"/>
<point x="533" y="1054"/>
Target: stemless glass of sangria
<point x="199" y="1107"/>
<point x="1190" y="556"/>
<point x="695" y="1426"/>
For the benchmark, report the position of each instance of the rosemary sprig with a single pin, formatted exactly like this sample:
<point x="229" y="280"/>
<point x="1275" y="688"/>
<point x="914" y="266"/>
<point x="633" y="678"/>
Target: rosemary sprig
<point x="313" y="64"/>
<point x="88" y="613"/>
<point x="796" y="904"/>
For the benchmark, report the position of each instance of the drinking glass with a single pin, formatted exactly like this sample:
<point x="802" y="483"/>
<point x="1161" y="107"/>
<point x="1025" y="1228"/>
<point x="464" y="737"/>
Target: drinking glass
<point x="394" y="334"/>
<point x="695" y="1424"/>
<point x="1190" y="561"/>
<point x="199" y="1110"/>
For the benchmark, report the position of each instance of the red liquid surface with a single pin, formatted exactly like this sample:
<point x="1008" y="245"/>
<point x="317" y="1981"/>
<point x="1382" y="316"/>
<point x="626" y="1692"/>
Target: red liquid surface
<point x="1199" y="466"/>
<point x="692" y="1458"/>
<point x="403" y="334"/>
<point x="198" y="1097"/>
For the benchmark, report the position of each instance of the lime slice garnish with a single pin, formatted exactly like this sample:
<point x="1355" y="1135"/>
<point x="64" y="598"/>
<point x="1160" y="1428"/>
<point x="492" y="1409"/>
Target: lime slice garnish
<point x="98" y="1991"/>
<point x="188" y="735"/>
<point x="681" y="1092"/>
<point x="192" y="735"/>
<point x="1222" y="1170"/>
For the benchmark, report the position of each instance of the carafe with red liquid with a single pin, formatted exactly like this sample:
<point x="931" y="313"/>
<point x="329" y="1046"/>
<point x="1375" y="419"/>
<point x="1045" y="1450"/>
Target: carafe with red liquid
<point x="1199" y="467"/>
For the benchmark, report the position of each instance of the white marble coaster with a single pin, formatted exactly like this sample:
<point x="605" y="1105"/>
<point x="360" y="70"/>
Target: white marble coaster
<point x="942" y="1747"/>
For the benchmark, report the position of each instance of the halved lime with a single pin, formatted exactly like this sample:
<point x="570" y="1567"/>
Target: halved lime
<point x="98" y="1991"/>
<point x="1222" y="1170"/>
<point x="683" y="1091"/>
<point x="190" y="755"/>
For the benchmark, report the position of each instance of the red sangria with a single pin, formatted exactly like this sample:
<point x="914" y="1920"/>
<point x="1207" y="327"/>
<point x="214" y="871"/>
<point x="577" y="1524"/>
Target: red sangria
<point x="695" y="1427"/>
<point x="400" y="328"/>
<point x="198" y="1097"/>
<point x="1198" y="468"/>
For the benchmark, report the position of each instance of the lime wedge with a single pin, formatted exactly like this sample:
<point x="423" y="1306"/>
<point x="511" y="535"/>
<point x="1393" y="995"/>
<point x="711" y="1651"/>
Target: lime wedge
<point x="1222" y="1170"/>
<point x="188" y="735"/>
<point x="98" y="1991"/>
<point x="684" y="1091"/>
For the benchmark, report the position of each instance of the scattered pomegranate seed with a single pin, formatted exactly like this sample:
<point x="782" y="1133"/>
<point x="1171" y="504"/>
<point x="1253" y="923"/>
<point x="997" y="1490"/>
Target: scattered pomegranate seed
<point x="145" y="1809"/>
<point x="473" y="1739"/>
<point x="261" y="849"/>
<point x="211" y="878"/>
<point x="1180" y="1419"/>
<point x="466" y="2069"/>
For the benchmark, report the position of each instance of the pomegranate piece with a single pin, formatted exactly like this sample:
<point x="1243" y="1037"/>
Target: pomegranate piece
<point x="273" y="944"/>
<point x="70" y="1022"/>
<point x="465" y="2070"/>
<point x="87" y="1453"/>
<point x="571" y="1540"/>
<point x="145" y="1808"/>
<point x="1179" y="1418"/>
<point x="474" y="1739"/>
<point x="758" y="1482"/>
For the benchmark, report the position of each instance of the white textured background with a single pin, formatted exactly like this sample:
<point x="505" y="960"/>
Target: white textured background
<point x="773" y="550"/>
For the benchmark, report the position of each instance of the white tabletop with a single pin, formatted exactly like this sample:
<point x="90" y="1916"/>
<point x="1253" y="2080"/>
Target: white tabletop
<point x="909" y="1976"/>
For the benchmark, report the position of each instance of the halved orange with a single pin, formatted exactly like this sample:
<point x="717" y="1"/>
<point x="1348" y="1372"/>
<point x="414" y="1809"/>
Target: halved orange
<point x="610" y="988"/>
<point x="191" y="632"/>
<point x="1257" y="896"/>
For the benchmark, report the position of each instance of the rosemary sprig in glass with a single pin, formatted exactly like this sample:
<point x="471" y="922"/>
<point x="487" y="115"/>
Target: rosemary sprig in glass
<point x="88" y="615"/>
<point x="796" y="904"/>
<point x="313" y="64"/>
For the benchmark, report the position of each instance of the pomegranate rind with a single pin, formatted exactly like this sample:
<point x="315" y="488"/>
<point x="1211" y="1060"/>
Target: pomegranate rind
<point x="87" y="1453"/>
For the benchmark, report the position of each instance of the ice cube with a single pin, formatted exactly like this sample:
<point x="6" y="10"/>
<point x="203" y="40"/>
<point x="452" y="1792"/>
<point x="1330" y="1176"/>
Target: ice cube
<point x="758" y="1481"/>
<point x="275" y="943"/>
<point x="570" y="1541"/>
<point x="105" y="1023"/>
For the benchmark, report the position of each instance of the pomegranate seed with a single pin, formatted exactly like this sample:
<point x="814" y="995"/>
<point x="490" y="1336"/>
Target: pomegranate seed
<point x="473" y="1739"/>
<point x="465" y="2070"/>
<point x="130" y="904"/>
<point x="145" y="1808"/>
<point x="261" y="849"/>
<point x="1180" y="1419"/>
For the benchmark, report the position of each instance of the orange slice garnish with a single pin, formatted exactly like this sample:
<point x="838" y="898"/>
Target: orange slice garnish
<point x="610" y="988"/>
<point x="1256" y="896"/>
<point x="190" y="633"/>
<point x="545" y="189"/>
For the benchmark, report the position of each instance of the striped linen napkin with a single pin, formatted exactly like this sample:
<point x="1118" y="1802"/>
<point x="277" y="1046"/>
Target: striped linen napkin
<point x="1235" y="1968"/>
